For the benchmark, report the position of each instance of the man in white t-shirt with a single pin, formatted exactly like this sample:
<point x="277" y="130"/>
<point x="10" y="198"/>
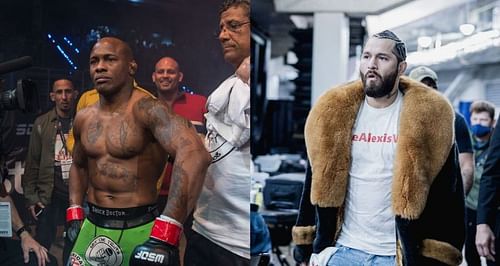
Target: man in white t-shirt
<point x="384" y="187"/>
<point x="222" y="216"/>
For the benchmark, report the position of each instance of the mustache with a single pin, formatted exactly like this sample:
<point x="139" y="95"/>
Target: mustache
<point x="372" y="72"/>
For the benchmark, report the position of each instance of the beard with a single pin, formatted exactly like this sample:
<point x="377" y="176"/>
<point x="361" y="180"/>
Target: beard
<point x="379" y="90"/>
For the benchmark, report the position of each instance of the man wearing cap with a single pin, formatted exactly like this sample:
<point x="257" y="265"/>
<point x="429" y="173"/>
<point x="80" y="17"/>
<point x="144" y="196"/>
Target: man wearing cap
<point x="462" y="136"/>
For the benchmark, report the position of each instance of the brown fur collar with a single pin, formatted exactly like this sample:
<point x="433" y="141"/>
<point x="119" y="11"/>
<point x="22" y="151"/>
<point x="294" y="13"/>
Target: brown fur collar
<point x="425" y="139"/>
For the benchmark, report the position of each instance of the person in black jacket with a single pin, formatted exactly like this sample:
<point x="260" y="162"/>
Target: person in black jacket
<point x="488" y="214"/>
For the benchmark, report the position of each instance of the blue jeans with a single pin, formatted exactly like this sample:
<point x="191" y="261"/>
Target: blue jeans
<point x="346" y="256"/>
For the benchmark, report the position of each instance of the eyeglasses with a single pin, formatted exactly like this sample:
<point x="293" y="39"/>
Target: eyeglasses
<point x="232" y="26"/>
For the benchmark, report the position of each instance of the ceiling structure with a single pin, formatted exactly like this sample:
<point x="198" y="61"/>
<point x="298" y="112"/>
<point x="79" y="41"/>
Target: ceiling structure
<point x="457" y="56"/>
<point x="350" y="7"/>
<point x="273" y="17"/>
<point x="409" y="19"/>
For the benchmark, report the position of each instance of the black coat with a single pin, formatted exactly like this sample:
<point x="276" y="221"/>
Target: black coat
<point x="489" y="190"/>
<point x="427" y="191"/>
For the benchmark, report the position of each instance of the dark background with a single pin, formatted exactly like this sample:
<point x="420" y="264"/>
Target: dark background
<point x="183" y="29"/>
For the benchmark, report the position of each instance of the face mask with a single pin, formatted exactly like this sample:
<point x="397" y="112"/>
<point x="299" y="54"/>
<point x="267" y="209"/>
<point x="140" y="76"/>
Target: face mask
<point x="480" y="130"/>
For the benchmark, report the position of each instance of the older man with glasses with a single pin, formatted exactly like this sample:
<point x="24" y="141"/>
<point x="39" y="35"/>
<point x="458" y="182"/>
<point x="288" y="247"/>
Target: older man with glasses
<point x="221" y="219"/>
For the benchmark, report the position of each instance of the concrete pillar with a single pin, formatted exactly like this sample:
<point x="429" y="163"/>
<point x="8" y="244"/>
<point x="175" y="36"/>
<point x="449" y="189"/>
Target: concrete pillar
<point x="330" y="52"/>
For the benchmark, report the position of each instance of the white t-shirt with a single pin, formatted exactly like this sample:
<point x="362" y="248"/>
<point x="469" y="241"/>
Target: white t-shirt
<point x="222" y="213"/>
<point x="369" y="222"/>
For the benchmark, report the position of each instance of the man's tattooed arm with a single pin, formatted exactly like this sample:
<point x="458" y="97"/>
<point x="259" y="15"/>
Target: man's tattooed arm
<point x="178" y="137"/>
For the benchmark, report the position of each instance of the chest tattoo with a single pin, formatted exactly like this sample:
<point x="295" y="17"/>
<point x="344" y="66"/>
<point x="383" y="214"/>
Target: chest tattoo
<point x="123" y="133"/>
<point x="94" y="131"/>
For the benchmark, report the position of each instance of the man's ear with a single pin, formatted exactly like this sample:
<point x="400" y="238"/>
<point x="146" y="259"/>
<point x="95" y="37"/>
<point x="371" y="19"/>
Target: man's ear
<point x="132" y="68"/>
<point x="75" y="94"/>
<point x="181" y="76"/>
<point x="52" y="96"/>
<point x="402" y="67"/>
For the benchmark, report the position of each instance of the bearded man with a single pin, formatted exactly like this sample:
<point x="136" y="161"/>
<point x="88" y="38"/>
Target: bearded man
<point x="384" y="186"/>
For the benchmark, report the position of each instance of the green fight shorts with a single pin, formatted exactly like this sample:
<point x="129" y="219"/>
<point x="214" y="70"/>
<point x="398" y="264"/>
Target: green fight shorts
<point x="108" y="236"/>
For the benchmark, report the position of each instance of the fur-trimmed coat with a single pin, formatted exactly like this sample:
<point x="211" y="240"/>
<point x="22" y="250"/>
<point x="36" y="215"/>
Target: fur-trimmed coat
<point x="427" y="192"/>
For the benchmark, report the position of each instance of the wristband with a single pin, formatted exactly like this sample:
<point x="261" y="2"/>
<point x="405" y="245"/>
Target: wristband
<point x="74" y="213"/>
<point x="167" y="230"/>
<point x="21" y="230"/>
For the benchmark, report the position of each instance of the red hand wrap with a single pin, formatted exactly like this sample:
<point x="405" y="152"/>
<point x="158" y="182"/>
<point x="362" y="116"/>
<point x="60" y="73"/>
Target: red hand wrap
<point x="166" y="231"/>
<point x="74" y="213"/>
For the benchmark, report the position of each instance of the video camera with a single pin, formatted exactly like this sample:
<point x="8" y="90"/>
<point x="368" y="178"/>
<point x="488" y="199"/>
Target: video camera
<point x="25" y="95"/>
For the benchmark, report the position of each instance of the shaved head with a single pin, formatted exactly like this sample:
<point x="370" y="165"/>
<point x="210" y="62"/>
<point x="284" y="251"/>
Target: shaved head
<point x="120" y="46"/>
<point x="167" y="77"/>
<point x="167" y="60"/>
<point x="112" y="66"/>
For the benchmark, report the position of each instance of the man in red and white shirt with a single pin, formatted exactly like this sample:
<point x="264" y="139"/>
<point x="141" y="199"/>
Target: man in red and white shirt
<point x="167" y="78"/>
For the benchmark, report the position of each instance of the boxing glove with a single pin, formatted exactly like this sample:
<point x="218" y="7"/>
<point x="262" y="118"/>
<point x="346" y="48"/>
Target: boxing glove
<point x="161" y="247"/>
<point x="74" y="220"/>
